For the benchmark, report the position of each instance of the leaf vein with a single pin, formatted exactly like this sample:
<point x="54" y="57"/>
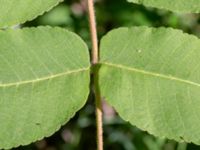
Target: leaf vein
<point x="169" y="77"/>
<point x="43" y="78"/>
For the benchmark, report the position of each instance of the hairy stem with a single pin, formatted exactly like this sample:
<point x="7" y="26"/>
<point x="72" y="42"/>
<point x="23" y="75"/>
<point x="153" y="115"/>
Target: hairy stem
<point x="99" y="119"/>
<point x="93" y="32"/>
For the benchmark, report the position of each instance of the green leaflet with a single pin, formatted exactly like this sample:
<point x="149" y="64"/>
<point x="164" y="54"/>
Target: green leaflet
<point x="185" y="6"/>
<point x="152" y="78"/>
<point x="14" y="12"/>
<point x="44" y="80"/>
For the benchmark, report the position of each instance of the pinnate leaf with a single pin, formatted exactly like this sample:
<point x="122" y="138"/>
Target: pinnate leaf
<point x="44" y="80"/>
<point x="152" y="78"/>
<point x="13" y="12"/>
<point x="184" y="6"/>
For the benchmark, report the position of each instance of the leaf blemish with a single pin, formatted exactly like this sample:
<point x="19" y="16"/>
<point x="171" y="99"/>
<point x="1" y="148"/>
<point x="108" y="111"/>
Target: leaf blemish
<point x="139" y="50"/>
<point x="38" y="124"/>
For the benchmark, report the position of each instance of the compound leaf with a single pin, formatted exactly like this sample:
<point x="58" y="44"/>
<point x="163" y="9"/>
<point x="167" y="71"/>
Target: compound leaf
<point x="176" y="6"/>
<point x="44" y="80"/>
<point x="13" y="12"/>
<point x="152" y="78"/>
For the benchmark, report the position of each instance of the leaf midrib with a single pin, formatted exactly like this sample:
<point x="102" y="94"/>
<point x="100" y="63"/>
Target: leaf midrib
<point x="44" y="78"/>
<point x="169" y="77"/>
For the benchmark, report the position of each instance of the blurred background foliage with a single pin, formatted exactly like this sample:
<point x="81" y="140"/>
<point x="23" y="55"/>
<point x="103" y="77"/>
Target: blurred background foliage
<point x="79" y="133"/>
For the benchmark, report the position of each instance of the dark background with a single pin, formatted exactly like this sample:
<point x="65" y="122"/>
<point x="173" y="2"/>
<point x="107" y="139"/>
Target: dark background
<point x="79" y="133"/>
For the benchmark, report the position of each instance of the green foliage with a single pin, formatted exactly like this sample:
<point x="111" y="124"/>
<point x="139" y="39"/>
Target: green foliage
<point x="60" y="15"/>
<point x="176" y="6"/>
<point x="151" y="77"/>
<point x="14" y="12"/>
<point x="43" y="83"/>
